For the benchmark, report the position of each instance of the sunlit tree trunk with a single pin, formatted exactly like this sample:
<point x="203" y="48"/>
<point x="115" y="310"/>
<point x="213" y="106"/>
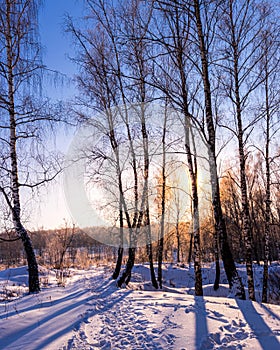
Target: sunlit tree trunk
<point x="13" y="16"/>
<point x="162" y="203"/>
<point x="120" y="249"/>
<point x="267" y="71"/>
<point x="190" y="248"/>
<point x="192" y="166"/>
<point x="137" y="24"/>
<point x="267" y="196"/>
<point x="176" y="42"/>
<point x="145" y="194"/>
<point x="217" y="262"/>
<point x="220" y="227"/>
<point x="244" y="196"/>
<point x="241" y="30"/>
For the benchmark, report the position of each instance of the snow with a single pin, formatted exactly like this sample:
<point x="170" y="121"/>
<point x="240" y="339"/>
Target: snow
<point x="90" y="312"/>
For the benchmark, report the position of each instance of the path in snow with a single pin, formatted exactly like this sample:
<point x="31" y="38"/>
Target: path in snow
<point x="91" y="313"/>
<point x="117" y="321"/>
<point x="130" y="319"/>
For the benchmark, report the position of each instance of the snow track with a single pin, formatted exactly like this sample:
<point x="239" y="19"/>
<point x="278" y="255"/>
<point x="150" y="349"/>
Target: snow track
<point x="92" y="313"/>
<point x="114" y="322"/>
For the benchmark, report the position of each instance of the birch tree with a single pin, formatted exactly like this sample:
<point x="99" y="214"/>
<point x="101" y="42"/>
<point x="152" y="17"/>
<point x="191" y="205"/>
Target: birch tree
<point x="98" y="58"/>
<point x="240" y="30"/>
<point x="201" y="25"/>
<point x="20" y="67"/>
<point x="104" y="80"/>
<point x="269" y="67"/>
<point x="136" y="20"/>
<point x="176" y="69"/>
<point x="162" y="199"/>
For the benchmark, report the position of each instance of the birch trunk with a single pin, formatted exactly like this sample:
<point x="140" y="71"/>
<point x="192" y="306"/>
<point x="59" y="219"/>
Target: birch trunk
<point x="146" y="187"/>
<point x="192" y="167"/>
<point x="217" y="263"/>
<point x="162" y="202"/>
<point x="34" y="285"/>
<point x="179" y="29"/>
<point x="120" y="249"/>
<point x="247" y="234"/>
<point x="220" y="227"/>
<point x="267" y="190"/>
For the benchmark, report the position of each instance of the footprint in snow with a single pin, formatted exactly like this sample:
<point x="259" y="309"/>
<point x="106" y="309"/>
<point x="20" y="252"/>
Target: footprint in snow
<point x="105" y="345"/>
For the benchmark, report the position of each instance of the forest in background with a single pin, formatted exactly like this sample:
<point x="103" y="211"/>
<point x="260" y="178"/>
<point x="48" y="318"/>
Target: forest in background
<point x="165" y="87"/>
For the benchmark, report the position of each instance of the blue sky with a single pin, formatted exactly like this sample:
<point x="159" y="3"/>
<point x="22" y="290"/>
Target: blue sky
<point x="57" y="45"/>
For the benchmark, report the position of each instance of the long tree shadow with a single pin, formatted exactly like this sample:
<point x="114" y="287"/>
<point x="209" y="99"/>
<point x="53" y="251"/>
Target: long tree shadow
<point x="41" y="305"/>
<point x="270" y="312"/>
<point x="263" y="333"/>
<point x="201" y="328"/>
<point x="50" y="317"/>
<point x="44" y="304"/>
<point x="106" y="306"/>
<point x="102" y="292"/>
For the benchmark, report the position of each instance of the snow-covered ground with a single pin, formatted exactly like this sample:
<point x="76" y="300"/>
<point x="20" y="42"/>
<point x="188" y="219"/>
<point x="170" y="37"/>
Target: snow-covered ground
<point x="90" y="312"/>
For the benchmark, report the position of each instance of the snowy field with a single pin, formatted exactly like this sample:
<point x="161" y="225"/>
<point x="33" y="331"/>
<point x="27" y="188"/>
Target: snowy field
<point x="90" y="312"/>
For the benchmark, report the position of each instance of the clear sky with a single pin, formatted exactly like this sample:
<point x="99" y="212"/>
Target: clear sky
<point x="56" y="43"/>
<point x="50" y="209"/>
